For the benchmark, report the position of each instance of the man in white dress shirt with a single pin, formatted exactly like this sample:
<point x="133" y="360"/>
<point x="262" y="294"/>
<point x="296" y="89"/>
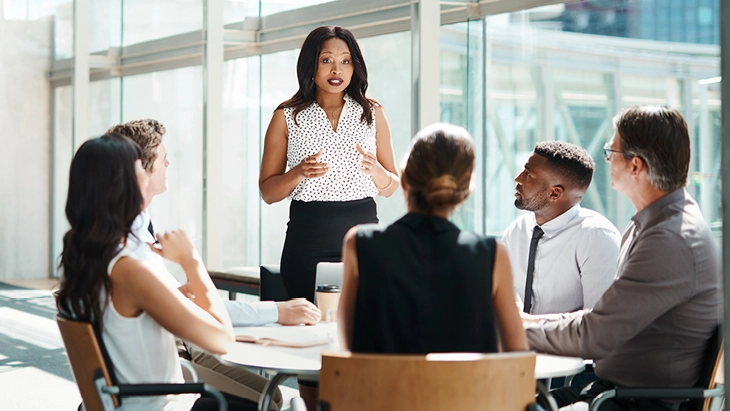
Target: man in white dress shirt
<point x="232" y="380"/>
<point x="575" y="258"/>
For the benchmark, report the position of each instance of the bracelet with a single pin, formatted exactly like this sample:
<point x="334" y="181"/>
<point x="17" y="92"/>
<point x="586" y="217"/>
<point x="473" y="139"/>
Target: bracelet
<point x="386" y="187"/>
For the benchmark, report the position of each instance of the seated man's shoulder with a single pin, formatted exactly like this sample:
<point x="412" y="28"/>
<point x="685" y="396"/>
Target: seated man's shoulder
<point x="522" y="222"/>
<point x="593" y="220"/>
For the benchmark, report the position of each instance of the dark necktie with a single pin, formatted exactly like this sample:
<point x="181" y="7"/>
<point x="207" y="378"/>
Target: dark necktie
<point x="536" y="234"/>
<point x="151" y="230"/>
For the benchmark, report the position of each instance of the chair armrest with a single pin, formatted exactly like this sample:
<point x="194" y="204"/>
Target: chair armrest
<point x="128" y="390"/>
<point x="188" y="366"/>
<point x="660" y="393"/>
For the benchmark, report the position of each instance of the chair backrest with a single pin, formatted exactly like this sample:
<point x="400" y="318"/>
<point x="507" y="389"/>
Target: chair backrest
<point x="86" y="360"/>
<point x="504" y="381"/>
<point x="271" y="287"/>
<point x="712" y="371"/>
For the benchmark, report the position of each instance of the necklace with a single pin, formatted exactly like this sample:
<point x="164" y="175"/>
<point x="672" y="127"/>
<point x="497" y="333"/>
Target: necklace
<point x="334" y="117"/>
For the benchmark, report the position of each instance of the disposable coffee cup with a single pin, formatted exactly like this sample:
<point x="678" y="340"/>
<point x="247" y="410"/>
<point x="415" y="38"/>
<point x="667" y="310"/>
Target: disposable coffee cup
<point x="328" y="296"/>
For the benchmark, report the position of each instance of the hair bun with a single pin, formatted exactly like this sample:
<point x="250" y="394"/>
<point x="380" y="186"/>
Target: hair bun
<point x="443" y="191"/>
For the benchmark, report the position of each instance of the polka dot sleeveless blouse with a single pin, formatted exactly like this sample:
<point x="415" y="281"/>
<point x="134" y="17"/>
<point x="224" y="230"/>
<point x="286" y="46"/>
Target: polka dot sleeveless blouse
<point x="345" y="181"/>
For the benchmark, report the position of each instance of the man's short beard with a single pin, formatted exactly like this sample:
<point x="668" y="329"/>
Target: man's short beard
<point x="533" y="204"/>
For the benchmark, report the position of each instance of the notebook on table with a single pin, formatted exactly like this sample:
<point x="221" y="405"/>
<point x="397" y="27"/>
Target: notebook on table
<point x="298" y="336"/>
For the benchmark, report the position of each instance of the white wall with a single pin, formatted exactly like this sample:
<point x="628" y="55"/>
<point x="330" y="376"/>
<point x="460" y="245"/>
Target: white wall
<point x="25" y="149"/>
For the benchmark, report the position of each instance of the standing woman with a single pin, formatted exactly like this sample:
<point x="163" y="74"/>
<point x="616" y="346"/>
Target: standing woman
<point x="328" y="149"/>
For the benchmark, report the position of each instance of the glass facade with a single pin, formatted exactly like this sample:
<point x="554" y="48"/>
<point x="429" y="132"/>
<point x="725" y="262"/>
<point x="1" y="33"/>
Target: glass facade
<point x="149" y="20"/>
<point x="175" y="99"/>
<point x="63" y="150"/>
<point x="558" y="72"/>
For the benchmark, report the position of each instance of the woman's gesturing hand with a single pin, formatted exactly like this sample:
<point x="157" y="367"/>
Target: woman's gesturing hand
<point x="310" y="167"/>
<point x="368" y="162"/>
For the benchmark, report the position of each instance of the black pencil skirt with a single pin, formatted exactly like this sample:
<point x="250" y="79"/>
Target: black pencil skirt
<point x="314" y="234"/>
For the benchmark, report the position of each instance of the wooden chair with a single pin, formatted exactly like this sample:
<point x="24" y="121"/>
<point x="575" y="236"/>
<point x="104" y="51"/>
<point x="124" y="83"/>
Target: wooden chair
<point x="94" y="373"/>
<point x="706" y="395"/>
<point x="459" y="381"/>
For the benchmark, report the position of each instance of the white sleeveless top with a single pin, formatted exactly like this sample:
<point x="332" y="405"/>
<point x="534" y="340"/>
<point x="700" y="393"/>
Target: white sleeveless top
<point x="345" y="181"/>
<point x="143" y="352"/>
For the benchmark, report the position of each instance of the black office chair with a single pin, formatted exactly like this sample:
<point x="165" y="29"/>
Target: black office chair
<point x="705" y="395"/>
<point x="271" y="285"/>
<point x="94" y="372"/>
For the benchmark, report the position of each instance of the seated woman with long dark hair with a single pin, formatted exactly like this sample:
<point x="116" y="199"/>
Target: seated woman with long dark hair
<point x="102" y="282"/>
<point x="422" y="285"/>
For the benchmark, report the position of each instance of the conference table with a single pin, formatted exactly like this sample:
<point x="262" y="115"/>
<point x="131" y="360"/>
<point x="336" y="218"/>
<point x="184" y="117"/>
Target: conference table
<point x="304" y="363"/>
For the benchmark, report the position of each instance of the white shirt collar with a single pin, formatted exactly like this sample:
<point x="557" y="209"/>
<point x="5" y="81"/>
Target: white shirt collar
<point x="139" y="227"/>
<point x="560" y="222"/>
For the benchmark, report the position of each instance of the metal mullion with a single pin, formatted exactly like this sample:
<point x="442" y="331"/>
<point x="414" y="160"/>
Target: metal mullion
<point x="490" y="7"/>
<point x="213" y="134"/>
<point x="80" y="79"/>
<point x="151" y="58"/>
<point x="164" y="44"/>
<point x="306" y="17"/>
<point x="725" y="150"/>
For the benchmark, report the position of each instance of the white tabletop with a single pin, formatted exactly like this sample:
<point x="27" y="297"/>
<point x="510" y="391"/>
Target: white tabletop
<point x="306" y="362"/>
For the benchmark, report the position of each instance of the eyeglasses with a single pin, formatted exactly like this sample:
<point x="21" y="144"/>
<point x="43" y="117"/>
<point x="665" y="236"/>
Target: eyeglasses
<point x="608" y="151"/>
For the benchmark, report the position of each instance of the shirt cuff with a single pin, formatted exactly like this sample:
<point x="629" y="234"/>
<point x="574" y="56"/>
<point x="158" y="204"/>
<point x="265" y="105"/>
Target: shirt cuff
<point x="268" y="312"/>
<point x="247" y="314"/>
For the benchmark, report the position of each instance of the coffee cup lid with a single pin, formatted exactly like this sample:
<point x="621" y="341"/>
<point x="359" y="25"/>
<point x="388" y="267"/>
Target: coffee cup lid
<point x="328" y="288"/>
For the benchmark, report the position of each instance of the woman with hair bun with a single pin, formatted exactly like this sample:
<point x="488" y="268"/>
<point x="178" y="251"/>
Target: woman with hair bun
<point x="422" y="285"/>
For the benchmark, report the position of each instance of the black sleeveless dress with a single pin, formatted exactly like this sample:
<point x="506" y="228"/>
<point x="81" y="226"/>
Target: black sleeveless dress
<point x="424" y="286"/>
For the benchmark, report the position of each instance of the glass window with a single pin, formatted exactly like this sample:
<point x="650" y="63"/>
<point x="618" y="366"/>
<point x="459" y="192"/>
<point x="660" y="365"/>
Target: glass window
<point x="388" y="59"/>
<point x="175" y="99"/>
<point x="237" y="10"/>
<point x="462" y="84"/>
<point x="104" y="101"/>
<point x="558" y="72"/>
<point x="241" y="160"/>
<point x="108" y="34"/>
<point x="562" y="72"/>
<point x="705" y="128"/>
<point x="63" y="150"/>
<point x="145" y="20"/>
<point x="30" y="9"/>
<point x="277" y="6"/>
<point x="278" y="83"/>
<point x="63" y="31"/>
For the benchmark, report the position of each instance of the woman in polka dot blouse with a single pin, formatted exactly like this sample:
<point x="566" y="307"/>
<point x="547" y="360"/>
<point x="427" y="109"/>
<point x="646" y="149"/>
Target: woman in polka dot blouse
<point x="329" y="150"/>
